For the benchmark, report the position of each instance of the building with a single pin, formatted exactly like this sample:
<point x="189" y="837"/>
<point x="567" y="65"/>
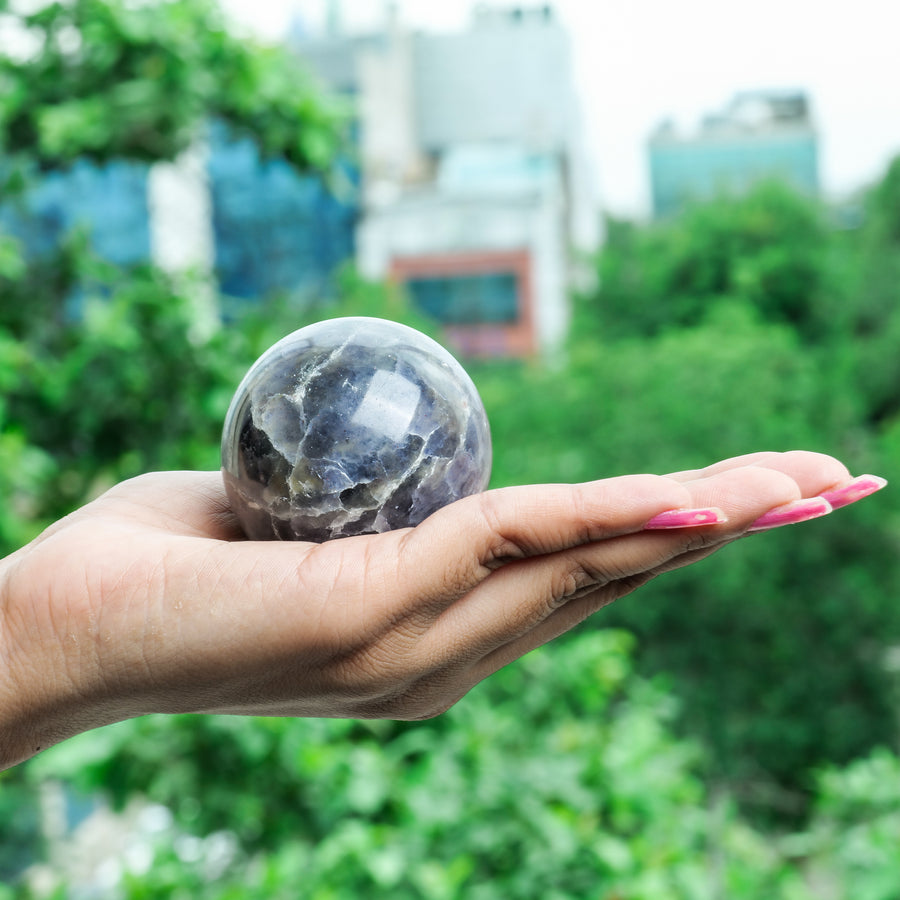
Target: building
<point x="275" y="230"/>
<point x="109" y="201"/>
<point x="757" y="136"/>
<point x="469" y="186"/>
<point x="474" y="180"/>
<point x="256" y="226"/>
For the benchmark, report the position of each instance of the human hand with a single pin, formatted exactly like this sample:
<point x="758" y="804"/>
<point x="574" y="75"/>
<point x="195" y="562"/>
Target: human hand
<point x="148" y="600"/>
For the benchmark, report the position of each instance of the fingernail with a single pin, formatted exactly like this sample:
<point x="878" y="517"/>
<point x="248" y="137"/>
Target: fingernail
<point x="792" y="513"/>
<point x="686" y="518"/>
<point x="860" y="487"/>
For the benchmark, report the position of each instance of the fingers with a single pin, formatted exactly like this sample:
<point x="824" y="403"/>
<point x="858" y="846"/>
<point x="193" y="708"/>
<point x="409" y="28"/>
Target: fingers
<point x="511" y="570"/>
<point x="455" y="549"/>
<point x="824" y="484"/>
<point x="505" y="569"/>
<point x="561" y="621"/>
<point x="812" y="472"/>
<point x="744" y="493"/>
<point x="738" y="489"/>
<point x="518" y="599"/>
<point x="533" y="599"/>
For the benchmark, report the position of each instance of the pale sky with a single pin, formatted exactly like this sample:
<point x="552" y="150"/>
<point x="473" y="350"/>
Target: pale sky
<point x="639" y="61"/>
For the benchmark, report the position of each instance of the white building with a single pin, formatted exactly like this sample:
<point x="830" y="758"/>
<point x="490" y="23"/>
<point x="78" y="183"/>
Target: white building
<point x="475" y="183"/>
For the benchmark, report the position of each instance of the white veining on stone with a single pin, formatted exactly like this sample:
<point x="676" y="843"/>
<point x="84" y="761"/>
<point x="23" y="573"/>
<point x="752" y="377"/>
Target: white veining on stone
<point x="352" y="426"/>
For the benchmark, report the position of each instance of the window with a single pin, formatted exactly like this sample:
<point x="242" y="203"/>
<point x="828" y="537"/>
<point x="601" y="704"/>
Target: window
<point x="489" y="298"/>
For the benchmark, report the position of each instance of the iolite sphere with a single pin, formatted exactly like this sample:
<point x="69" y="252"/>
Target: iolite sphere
<point x="352" y="426"/>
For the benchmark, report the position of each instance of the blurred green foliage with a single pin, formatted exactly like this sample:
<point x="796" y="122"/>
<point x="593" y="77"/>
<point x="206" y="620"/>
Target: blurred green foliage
<point x="765" y="247"/>
<point x="109" y="79"/>
<point x="758" y="682"/>
<point x="557" y="778"/>
<point x="850" y="845"/>
<point x="778" y="646"/>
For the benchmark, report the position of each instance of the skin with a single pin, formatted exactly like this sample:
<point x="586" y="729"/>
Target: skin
<point x="147" y="600"/>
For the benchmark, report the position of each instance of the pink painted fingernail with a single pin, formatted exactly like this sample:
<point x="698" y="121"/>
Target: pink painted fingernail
<point x="860" y="487"/>
<point x="792" y="513"/>
<point x="686" y="518"/>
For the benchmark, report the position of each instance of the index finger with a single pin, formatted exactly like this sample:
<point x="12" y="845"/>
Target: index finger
<point x="457" y="547"/>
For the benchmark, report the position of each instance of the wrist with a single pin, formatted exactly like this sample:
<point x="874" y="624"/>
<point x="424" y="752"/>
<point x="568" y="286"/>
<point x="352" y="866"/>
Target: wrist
<point x="15" y="735"/>
<point x="42" y="695"/>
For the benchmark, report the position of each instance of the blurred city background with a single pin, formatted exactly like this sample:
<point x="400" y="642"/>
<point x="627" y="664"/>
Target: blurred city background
<point x="656" y="237"/>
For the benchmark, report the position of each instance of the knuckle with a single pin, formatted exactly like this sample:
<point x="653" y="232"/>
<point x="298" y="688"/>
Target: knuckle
<point x="692" y="542"/>
<point x="588" y="528"/>
<point x="571" y="582"/>
<point x="757" y="479"/>
<point x="500" y="547"/>
<point x="380" y="673"/>
<point x="429" y="712"/>
<point x="431" y="568"/>
<point x="368" y="675"/>
<point x="417" y="701"/>
<point x="576" y="579"/>
<point x="647" y="482"/>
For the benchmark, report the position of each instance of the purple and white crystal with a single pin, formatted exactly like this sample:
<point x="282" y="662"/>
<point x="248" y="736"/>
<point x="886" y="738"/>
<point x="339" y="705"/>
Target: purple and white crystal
<point x="352" y="426"/>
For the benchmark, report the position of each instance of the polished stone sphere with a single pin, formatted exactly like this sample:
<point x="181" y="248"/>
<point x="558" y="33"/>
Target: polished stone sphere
<point x="352" y="426"/>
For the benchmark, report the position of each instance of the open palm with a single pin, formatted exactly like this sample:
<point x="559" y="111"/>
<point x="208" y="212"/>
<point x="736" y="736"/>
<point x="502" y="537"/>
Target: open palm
<point x="149" y="600"/>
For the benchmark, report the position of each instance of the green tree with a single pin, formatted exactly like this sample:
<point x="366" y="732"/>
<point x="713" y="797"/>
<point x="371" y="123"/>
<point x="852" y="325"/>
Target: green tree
<point x="770" y="247"/>
<point x="111" y="80"/>
<point x="126" y="384"/>
<point x="777" y="645"/>
<point x="875" y="299"/>
<point x="733" y="329"/>
<point x="561" y="776"/>
<point x="851" y="842"/>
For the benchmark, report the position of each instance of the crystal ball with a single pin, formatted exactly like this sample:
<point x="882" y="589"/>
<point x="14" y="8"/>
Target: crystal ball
<point x="352" y="426"/>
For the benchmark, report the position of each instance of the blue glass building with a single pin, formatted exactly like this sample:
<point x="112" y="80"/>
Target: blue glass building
<point x="759" y="136"/>
<point x="276" y="230"/>
<point x="110" y="202"/>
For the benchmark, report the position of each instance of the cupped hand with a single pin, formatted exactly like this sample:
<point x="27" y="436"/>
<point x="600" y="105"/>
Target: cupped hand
<point x="148" y="600"/>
